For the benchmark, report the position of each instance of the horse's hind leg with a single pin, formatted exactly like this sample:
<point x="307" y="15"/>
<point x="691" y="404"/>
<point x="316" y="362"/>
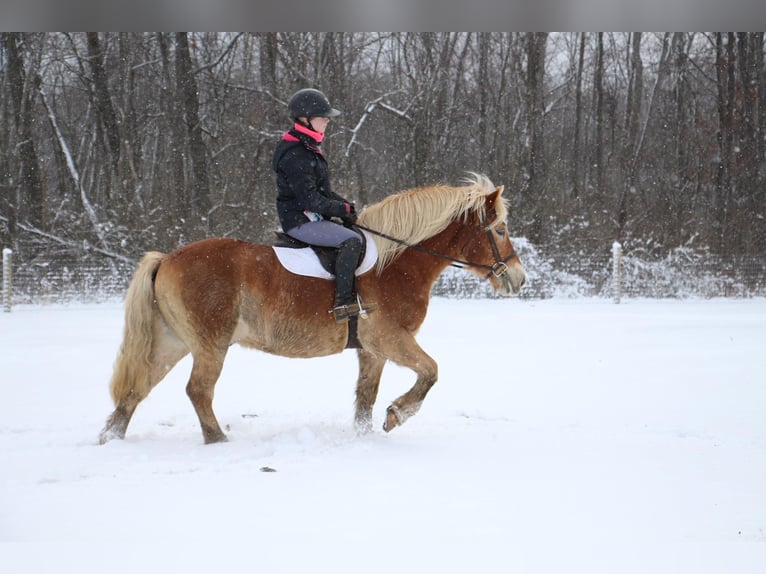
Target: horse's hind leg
<point x="370" y="370"/>
<point x="133" y="378"/>
<point x="200" y="389"/>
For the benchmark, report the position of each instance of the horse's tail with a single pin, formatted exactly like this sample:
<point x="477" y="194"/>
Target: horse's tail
<point x="131" y="369"/>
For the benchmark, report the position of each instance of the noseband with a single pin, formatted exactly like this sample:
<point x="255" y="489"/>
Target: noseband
<point x="499" y="268"/>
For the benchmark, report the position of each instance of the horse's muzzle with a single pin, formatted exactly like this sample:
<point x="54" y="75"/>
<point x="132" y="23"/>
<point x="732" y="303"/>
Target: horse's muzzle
<point x="510" y="279"/>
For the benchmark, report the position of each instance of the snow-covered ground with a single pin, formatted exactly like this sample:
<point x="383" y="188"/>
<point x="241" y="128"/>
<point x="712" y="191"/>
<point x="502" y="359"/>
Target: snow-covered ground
<point x="562" y="436"/>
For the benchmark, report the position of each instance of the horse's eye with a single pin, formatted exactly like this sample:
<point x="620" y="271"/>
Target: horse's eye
<point x="500" y="231"/>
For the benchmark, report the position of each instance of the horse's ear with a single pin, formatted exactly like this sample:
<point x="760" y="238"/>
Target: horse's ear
<point x="494" y="196"/>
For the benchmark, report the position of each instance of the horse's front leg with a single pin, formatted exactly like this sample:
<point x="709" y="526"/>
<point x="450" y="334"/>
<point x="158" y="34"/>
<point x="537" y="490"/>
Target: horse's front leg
<point x="367" y="385"/>
<point x="405" y="351"/>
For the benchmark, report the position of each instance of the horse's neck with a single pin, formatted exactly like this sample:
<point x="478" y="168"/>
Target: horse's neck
<point x="423" y="266"/>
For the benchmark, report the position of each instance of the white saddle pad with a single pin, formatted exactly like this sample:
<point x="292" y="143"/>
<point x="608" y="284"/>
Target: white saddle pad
<point x="305" y="262"/>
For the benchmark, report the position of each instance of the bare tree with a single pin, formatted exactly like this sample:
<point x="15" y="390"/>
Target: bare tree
<point x="103" y="99"/>
<point x="29" y="202"/>
<point x="186" y="87"/>
<point x="173" y="114"/>
<point x="576" y="144"/>
<point x="268" y="52"/>
<point x="757" y="205"/>
<point x="598" y="89"/>
<point x="748" y="161"/>
<point x="535" y="190"/>
<point x="630" y="147"/>
<point x="725" y="66"/>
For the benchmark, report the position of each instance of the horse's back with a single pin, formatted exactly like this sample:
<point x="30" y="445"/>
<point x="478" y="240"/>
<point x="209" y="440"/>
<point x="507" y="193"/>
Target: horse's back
<point x="212" y="249"/>
<point x="215" y="266"/>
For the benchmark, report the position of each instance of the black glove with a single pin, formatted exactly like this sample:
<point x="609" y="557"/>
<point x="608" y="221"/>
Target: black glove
<point x="349" y="218"/>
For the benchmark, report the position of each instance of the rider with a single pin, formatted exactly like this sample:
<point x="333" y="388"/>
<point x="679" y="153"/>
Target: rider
<point x="305" y="200"/>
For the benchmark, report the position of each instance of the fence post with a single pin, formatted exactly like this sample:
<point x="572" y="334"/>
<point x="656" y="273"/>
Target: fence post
<point x="7" y="279"/>
<point x="617" y="270"/>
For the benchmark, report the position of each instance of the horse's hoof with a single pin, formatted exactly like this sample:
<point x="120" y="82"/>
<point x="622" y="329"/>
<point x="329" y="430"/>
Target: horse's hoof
<point x="363" y="426"/>
<point x="109" y="434"/>
<point x="393" y="419"/>
<point x="213" y="438"/>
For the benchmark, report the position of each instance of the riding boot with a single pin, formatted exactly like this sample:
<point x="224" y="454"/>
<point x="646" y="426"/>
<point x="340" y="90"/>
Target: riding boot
<point x="345" y="264"/>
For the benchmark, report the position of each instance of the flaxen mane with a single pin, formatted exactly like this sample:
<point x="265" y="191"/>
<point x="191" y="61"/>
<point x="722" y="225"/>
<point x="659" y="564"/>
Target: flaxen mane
<point x="402" y="215"/>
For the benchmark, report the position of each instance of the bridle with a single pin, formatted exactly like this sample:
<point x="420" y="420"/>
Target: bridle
<point x="499" y="268"/>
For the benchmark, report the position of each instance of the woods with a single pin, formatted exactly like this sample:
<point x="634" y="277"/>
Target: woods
<point x="116" y="143"/>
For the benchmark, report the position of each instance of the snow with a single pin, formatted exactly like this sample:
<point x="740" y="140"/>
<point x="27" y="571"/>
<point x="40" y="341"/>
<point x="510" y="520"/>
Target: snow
<point x="562" y="436"/>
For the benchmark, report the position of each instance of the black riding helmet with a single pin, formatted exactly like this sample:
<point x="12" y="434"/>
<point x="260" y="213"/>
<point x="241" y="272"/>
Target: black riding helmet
<point x="310" y="103"/>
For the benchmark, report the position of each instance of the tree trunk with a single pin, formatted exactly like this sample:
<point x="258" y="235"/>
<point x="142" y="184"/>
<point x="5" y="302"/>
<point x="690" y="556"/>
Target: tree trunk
<point x="758" y="206"/>
<point x="186" y="86"/>
<point x="269" y="50"/>
<point x="631" y="141"/>
<point x="177" y="140"/>
<point x="682" y="121"/>
<point x="103" y="100"/>
<point x="748" y="160"/>
<point x="760" y="80"/>
<point x="576" y="151"/>
<point x="8" y="188"/>
<point x="682" y="195"/>
<point x="23" y="87"/>
<point x="535" y="189"/>
<point x="598" y="88"/>
<point x="725" y="80"/>
<point x="131" y="154"/>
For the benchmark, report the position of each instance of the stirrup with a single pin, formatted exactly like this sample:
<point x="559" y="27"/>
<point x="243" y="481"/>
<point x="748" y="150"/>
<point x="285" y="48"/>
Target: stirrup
<point x="342" y="313"/>
<point x="365" y="310"/>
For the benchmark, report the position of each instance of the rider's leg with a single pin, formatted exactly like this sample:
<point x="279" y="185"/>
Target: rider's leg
<point x="349" y="245"/>
<point x="322" y="233"/>
<point x="345" y="305"/>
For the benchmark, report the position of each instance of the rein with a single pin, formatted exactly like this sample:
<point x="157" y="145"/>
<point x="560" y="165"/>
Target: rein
<point x="498" y="269"/>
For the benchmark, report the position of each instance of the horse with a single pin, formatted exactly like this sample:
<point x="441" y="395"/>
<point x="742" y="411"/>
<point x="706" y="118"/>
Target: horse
<point x="212" y="293"/>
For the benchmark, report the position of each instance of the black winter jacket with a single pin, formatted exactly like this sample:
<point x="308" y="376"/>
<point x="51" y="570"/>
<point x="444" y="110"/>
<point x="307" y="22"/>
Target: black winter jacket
<point x="303" y="183"/>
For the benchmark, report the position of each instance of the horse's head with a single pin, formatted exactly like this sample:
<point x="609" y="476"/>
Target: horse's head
<point x="476" y="235"/>
<point x="492" y="249"/>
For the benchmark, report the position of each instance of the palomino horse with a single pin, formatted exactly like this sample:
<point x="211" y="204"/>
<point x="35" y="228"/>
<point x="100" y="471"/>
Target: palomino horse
<point x="207" y="295"/>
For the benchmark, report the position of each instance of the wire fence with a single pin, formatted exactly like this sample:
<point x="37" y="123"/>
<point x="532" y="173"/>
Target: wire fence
<point x="550" y="274"/>
<point x="680" y="274"/>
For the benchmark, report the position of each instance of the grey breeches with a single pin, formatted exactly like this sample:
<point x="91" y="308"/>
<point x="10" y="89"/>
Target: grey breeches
<point x="323" y="233"/>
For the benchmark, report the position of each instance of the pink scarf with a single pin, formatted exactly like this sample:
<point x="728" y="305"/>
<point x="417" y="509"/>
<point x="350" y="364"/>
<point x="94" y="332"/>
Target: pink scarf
<point x="298" y="127"/>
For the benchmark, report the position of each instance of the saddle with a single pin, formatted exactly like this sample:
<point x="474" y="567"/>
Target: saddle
<point x="326" y="255"/>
